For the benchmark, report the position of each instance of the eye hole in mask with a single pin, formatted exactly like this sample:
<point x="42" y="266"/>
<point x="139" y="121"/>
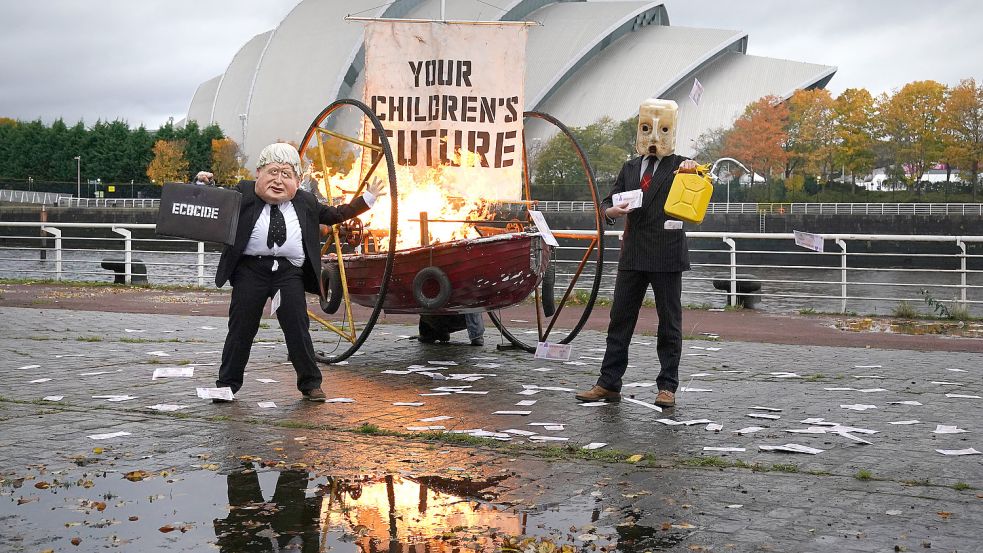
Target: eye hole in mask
<point x="646" y="128"/>
<point x="665" y="129"/>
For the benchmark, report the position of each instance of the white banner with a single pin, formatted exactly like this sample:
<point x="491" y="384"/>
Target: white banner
<point x="450" y="95"/>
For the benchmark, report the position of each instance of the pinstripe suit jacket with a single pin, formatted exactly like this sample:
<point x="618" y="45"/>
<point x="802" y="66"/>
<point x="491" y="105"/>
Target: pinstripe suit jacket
<point x="647" y="245"/>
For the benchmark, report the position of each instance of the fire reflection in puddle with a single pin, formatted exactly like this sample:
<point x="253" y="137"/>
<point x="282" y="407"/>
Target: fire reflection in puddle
<point x="289" y="510"/>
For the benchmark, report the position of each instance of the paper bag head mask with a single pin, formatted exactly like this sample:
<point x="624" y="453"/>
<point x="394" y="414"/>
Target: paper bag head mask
<point x="656" y="127"/>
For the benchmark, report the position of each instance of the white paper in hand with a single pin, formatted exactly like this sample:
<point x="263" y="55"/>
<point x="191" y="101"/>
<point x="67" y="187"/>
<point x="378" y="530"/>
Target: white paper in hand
<point x="632" y="197"/>
<point x="275" y="304"/>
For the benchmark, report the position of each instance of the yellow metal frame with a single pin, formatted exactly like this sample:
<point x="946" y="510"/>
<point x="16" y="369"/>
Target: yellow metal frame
<point x="347" y="327"/>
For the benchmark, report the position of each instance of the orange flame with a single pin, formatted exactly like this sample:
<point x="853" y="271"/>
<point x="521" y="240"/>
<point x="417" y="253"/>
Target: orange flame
<point x="447" y="196"/>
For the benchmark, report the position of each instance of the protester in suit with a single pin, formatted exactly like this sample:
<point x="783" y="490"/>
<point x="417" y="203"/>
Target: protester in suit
<point x="277" y="250"/>
<point x="654" y="253"/>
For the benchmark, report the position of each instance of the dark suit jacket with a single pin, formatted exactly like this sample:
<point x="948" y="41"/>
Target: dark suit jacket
<point x="310" y="213"/>
<point x="647" y="245"/>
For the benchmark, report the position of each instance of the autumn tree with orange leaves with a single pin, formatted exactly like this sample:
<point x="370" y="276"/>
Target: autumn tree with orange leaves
<point x="912" y="121"/>
<point x="759" y="136"/>
<point x="169" y="163"/>
<point x="962" y="122"/>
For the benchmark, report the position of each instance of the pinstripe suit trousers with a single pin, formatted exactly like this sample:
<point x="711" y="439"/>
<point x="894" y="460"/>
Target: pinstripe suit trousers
<point x="629" y="292"/>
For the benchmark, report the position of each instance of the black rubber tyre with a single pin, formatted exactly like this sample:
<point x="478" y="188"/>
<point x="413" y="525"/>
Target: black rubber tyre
<point x="549" y="281"/>
<point x="331" y="287"/>
<point x="435" y="274"/>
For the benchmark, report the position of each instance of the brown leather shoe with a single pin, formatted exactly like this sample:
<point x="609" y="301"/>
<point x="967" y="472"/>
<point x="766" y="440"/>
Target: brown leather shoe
<point x="598" y="393"/>
<point x="315" y="394"/>
<point x="665" y="399"/>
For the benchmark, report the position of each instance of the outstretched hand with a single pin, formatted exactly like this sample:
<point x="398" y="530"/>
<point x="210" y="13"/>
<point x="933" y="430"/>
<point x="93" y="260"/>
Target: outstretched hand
<point x="377" y="187"/>
<point x="687" y="166"/>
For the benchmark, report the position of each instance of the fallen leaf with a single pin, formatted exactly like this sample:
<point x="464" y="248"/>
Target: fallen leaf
<point x="136" y="475"/>
<point x="88" y="484"/>
<point x="634" y="458"/>
<point x="210" y="466"/>
<point x="133" y="518"/>
<point x="42" y="485"/>
<point x="99" y="505"/>
<point x="76" y="540"/>
<point x="166" y="528"/>
<point x="97" y="450"/>
<point x="945" y="515"/>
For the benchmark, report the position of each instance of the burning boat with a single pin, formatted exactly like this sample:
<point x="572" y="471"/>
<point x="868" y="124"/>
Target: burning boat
<point x="445" y="131"/>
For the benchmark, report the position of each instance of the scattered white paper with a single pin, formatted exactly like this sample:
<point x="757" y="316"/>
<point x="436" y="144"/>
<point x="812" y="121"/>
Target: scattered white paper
<point x="554" y="427"/>
<point x="523" y="413"/>
<point x="26" y="367"/>
<point x="782" y="374"/>
<point x="868" y="367"/>
<point x="543" y="369"/>
<point x="594" y="445"/>
<point x="436" y="419"/>
<point x="424" y="428"/>
<point x="340" y="400"/>
<point x="697" y="375"/>
<point x="437" y="394"/>
<point x="946" y="429"/>
<point x="177" y="372"/>
<point x="519" y="432"/>
<point x="840" y="389"/>
<point x="166" y="407"/>
<point x="545" y="424"/>
<point x="909" y="402"/>
<point x="946" y="383"/>
<point x="131" y="330"/>
<point x="641" y="384"/>
<point x="760" y="408"/>
<point x="53" y="398"/>
<point x="724" y="449"/>
<point x="553" y="352"/>
<point x="858" y="407"/>
<point x="791" y="448"/>
<point x="688" y="389"/>
<point x="651" y="406"/>
<point x="528" y="392"/>
<point x="393" y="371"/>
<point x="40" y="381"/>
<point x="956" y="370"/>
<point x="869" y="376"/>
<point x="965" y="396"/>
<point x="267" y="380"/>
<point x="764" y="416"/>
<point x="158" y="354"/>
<point x="443" y="363"/>
<point x="912" y="421"/>
<point x="526" y="403"/>
<point x="267" y="404"/>
<point x="668" y="422"/>
<point x="207" y="327"/>
<point x="408" y="403"/>
<point x="108" y="436"/>
<point x="541" y="438"/>
<point x="808" y="240"/>
<point x="968" y="451"/>
<point x="749" y="430"/>
<point x="116" y="398"/>
<point x="594" y="404"/>
<point x="715" y="427"/>
<point x="216" y="393"/>
<point x="696" y="421"/>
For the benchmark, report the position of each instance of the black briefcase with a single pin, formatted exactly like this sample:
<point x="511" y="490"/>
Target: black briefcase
<point x="197" y="212"/>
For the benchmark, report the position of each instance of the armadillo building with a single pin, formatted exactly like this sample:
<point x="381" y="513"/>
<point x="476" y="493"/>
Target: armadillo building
<point x="582" y="63"/>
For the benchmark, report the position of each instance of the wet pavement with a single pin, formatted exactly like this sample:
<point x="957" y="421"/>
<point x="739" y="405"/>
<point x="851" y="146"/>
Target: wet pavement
<point x="364" y="476"/>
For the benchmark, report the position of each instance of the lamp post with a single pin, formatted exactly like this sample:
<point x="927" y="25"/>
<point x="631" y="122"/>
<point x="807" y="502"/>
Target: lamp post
<point x="78" y="177"/>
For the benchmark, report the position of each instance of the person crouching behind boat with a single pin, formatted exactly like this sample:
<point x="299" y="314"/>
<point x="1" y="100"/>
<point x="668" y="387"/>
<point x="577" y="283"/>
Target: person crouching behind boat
<point x="654" y="253"/>
<point x="277" y="253"/>
<point x="438" y="328"/>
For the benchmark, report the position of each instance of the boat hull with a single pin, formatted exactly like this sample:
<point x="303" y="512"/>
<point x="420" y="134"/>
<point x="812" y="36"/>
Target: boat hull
<point x="483" y="274"/>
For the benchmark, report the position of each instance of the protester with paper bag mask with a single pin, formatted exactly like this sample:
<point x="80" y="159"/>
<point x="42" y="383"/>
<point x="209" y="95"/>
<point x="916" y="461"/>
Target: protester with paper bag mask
<point x="653" y="253"/>
<point x="276" y="254"/>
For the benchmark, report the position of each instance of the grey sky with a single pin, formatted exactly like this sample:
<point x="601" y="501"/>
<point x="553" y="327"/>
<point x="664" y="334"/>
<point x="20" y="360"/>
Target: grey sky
<point x="142" y="61"/>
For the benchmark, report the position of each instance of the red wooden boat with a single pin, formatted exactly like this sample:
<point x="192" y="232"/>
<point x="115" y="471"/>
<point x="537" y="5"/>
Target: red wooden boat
<point x="461" y="276"/>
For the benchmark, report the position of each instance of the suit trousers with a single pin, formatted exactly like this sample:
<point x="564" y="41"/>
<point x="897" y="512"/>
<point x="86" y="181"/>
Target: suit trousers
<point x="253" y="282"/>
<point x="629" y="292"/>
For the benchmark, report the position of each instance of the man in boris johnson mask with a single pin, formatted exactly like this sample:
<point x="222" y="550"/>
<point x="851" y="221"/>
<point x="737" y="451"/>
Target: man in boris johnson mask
<point x="654" y="253"/>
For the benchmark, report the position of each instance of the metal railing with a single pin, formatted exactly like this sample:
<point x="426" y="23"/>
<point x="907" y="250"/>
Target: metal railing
<point x="804" y="208"/>
<point x="31" y="197"/>
<point x="151" y="203"/>
<point x="949" y="267"/>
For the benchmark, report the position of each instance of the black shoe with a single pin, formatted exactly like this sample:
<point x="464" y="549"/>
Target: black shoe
<point x="427" y="340"/>
<point x="479" y="341"/>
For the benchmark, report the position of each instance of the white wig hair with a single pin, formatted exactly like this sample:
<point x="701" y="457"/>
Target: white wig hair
<point x="279" y="152"/>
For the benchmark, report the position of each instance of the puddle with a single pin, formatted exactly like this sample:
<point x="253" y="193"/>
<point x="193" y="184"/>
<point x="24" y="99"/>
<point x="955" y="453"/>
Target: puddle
<point x="917" y="328"/>
<point x="294" y="510"/>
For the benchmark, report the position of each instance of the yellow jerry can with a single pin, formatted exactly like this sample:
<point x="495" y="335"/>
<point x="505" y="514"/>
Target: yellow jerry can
<point x="689" y="195"/>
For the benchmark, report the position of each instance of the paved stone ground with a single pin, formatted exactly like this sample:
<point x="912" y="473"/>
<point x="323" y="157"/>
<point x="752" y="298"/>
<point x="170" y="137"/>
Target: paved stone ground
<point x="915" y="498"/>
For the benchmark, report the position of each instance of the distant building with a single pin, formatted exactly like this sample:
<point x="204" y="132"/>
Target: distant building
<point x="588" y="60"/>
